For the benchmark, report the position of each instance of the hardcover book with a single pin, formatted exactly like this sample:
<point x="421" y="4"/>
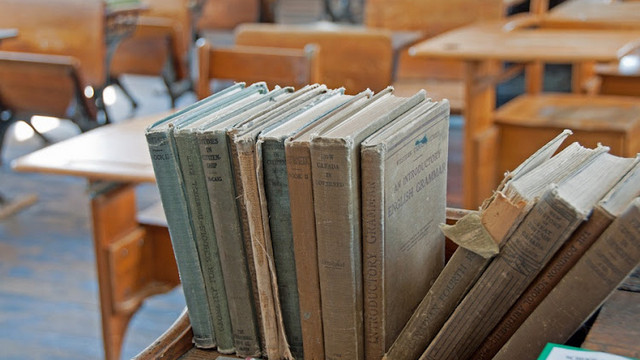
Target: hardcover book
<point x="335" y="155"/>
<point x="404" y="173"/>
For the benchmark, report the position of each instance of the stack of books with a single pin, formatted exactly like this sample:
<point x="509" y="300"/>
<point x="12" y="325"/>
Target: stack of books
<point x="308" y="224"/>
<point x="541" y="255"/>
<point x="305" y="223"/>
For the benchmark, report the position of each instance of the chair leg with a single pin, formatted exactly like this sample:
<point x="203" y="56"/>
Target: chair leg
<point x="116" y="81"/>
<point x="4" y="126"/>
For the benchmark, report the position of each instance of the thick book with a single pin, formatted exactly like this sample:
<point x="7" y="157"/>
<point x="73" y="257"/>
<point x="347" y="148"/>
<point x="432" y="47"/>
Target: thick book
<point x="169" y="180"/>
<point x="550" y="222"/>
<point x="582" y="290"/>
<point x="335" y="156"/>
<point x="496" y="219"/>
<point x="274" y="191"/>
<point x="562" y="262"/>
<point x="303" y="225"/>
<point x="404" y="173"/>
<point x="242" y="140"/>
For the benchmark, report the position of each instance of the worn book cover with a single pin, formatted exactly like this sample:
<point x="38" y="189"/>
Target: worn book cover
<point x="335" y="157"/>
<point x="242" y="141"/>
<point x="568" y="255"/>
<point x="497" y="217"/>
<point x="582" y="290"/>
<point x="172" y="193"/>
<point x="303" y="225"/>
<point x="274" y="193"/>
<point x="544" y="229"/>
<point x="404" y="173"/>
<point x="214" y="153"/>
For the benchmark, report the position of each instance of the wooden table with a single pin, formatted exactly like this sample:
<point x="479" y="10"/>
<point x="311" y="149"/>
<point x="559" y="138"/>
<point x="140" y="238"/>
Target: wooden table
<point x="133" y="261"/>
<point x="513" y="41"/>
<point x="602" y="14"/>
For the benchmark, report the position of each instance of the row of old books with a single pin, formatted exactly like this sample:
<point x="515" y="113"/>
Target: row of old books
<point x="305" y="224"/>
<point x="535" y="262"/>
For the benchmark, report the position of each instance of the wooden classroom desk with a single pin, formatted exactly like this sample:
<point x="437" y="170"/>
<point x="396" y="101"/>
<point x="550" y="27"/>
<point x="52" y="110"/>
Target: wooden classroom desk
<point x="514" y="41"/>
<point x="133" y="261"/>
<point x="603" y="14"/>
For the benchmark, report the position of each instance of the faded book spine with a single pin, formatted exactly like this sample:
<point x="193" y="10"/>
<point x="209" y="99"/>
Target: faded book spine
<point x="169" y="181"/>
<point x="303" y="227"/>
<point x="276" y="346"/>
<point x="204" y="233"/>
<point x="246" y="236"/>
<point x="458" y="276"/>
<point x="582" y="290"/>
<point x="277" y="195"/>
<point x="549" y="223"/>
<point x="336" y="202"/>
<point x="568" y="255"/>
<point x="222" y="198"/>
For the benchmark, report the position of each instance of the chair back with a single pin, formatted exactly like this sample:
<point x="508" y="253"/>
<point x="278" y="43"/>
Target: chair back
<point x="250" y="64"/>
<point x="355" y="58"/>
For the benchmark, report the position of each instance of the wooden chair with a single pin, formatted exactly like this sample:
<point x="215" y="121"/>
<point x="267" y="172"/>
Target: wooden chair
<point x="37" y="84"/>
<point x="60" y="49"/>
<point x="275" y="66"/>
<point x="159" y="46"/>
<point x="354" y="57"/>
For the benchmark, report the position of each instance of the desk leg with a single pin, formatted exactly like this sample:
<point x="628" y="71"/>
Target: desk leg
<point x="133" y="262"/>
<point x="480" y="136"/>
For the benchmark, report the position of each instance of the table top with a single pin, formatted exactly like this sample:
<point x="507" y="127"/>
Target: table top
<point x="115" y="152"/>
<point x="605" y="14"/>
<point x="517" y="42"/>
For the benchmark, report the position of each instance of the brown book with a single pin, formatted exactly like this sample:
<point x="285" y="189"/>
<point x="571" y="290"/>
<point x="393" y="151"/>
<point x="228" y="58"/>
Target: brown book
<point x="582" y="290"/>
<point x="497" y="218"/>
<point x="335" y="156"/>
<point x="303" y="224"/>
<point x="404" y="172"/>
<point x="545" y="228"/>
<point x="242" y="148"/>
<point x="273" y="187"/>
<point x="562" y="262"/>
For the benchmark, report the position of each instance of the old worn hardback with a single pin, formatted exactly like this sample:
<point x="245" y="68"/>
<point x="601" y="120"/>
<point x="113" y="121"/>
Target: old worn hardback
<point x="198" y="204"/>
<point x="497" y="218"/>
<point x="583" y="289"/>
<point x="274" y="192"/>
<point x="561" y="263"/>
<point x="169" y="180"/>
<point x="550" y="222"/>
<point x="335" y="156"/>
<point x="404" y="173"/>
<point x="242" y="331"/>
<point x="243" y="152"/>
<point x="303" y="224"/>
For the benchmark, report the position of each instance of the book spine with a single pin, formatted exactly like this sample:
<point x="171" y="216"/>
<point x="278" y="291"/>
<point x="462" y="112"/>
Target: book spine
<point x="458" y="276"/>
<point x="276" y="187"/>
<point x="169" y="181"/>
<point x="303" y="228"/>
<point x="222" y="198"/>
<point x="262" y="252"/>
<point x="246" y="236"/>
<point x="373" y="253"/>
<point x="337" y="208"/>
<point x="568" y="255"/>
<point x="582" y="290"/>
<point x="549" y="223"/>
<point x="204" y="234"/>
